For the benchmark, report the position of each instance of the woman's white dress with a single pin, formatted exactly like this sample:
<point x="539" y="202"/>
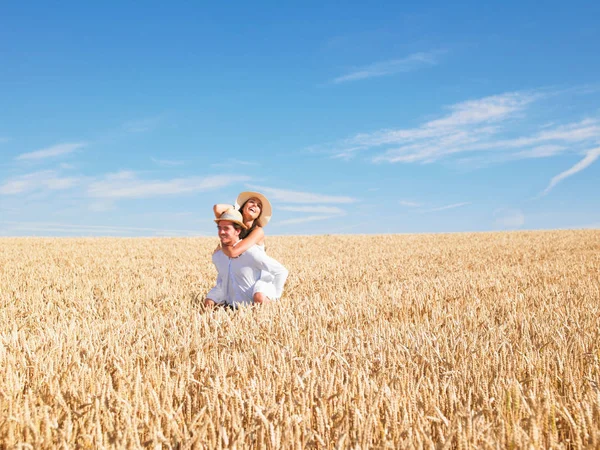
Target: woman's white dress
<point x="265" y="283"/>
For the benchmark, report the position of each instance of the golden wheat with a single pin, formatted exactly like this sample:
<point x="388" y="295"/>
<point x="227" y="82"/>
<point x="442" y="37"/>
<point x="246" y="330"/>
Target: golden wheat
<point x="488" y="340"/>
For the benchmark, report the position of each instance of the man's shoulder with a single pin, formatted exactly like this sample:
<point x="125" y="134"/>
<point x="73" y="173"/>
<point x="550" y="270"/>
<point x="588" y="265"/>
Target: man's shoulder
<point x="217" y="255"/>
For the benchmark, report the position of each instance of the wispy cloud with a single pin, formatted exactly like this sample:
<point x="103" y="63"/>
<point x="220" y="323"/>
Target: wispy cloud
<point x="4" y="140"/>
<point x="509" y="218"/>
<point x="392" y="66"/>
<point x="70" y="229"/>
<point x="542" y="151"/>
<point x="314" y="209"/>
<point x="49" y="152"/>
<point x="471" y="126"/>
<point x="126" y="184"/>
<point x="468" y="124"/>
<point x="47" y="179"/>
<point x="301" y="197"/>
<point x="142" y="125"/>
<point x="590" y="157"/>
<point x="166" y="162"/>
<point x="409" y="204"/>
<point x="101" y="206"/>
<point x="446" y="207"/>
<point x="494" y="129"/>
<point x="307" y="219"/>
<point x="235" y="162"/>
<point x="487" y="110"/>
<point x="313" y="204"/>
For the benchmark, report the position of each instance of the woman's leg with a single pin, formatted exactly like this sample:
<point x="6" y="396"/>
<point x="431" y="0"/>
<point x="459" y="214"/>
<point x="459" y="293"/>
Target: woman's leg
<point x="263" y="292"/>
<point x="259" y="298"/>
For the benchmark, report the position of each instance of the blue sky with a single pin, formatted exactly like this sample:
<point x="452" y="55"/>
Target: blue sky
<point x="124" y="120"/>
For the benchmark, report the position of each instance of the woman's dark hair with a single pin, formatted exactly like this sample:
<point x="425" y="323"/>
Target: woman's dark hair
<point x="247" y="231"/>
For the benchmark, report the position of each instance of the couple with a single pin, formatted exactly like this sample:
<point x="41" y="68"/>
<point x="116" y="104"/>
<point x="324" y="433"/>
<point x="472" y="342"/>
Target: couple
<point x="245" y="274"/>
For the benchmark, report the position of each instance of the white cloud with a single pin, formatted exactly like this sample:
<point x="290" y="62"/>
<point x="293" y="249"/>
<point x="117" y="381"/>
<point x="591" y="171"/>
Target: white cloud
<point x="142" y="125"/>
<point x="243" y="163"/>
<point x="488" y="109"/>
<point x="166" y="162"/>
<point x="471" y="126"/>
<point x="409" y="204"/>
<point x="101" y="206"/>
<point x="509" y="218"/>
<point x="47" y="179"/>
<point x="446" y="207"/>
<point x="590" y="157"/>
<point x="470" y="122"/>
<point x="393" y="66"/>
<point x="49" y="152"/>
<point x="314" y="209"/>
<point x="301" y="197"/>
<point x="496" y="128"/>
<point x="542" y="151"/>
<point x="571" y="133"/>
<point x="16" y="186"/>
<point x="235" y="162"/>
<point x="575" y="132"/>
<point x="126" y="184"/>
<point x="307" y="219"/>
<point x="70" y="229"/>
<point x="319" y="212"/>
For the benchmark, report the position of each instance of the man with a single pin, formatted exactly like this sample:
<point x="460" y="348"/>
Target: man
<point x="237" y="277"/>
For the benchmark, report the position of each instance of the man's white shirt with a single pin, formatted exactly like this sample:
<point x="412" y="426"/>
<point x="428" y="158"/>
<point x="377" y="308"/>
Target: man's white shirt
<point x="237" y="276"/>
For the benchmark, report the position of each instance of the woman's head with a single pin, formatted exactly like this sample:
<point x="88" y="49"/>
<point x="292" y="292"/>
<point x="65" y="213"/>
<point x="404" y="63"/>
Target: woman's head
<point x="251" y="209"/>
<point x="254" y="207"/>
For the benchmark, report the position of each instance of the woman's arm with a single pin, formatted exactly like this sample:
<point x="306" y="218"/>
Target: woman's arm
<point x="220" y="208"/>
<point x="255" y="236"/>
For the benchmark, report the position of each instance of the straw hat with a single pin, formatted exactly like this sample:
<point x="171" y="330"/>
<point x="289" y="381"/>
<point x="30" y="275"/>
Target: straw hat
<point x="265" y="212"/>
<point x="232" y="215"/>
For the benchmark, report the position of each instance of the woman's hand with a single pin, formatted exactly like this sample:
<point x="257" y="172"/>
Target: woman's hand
<point x="228" y="251"/>
<point x="257" y="235"/>
<point x="220" y="208"/>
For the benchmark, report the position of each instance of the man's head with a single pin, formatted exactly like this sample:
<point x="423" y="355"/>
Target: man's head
<point x="229" y="226"/>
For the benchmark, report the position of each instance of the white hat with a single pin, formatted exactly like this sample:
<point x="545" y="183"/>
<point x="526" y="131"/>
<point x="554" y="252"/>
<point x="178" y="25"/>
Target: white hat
<point x="232" y="215"/>
<point x="265" y="212"/>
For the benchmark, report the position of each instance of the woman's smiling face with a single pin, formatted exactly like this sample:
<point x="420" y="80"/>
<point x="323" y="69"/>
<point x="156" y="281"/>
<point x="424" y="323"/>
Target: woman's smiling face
<point x="252" y="209"/>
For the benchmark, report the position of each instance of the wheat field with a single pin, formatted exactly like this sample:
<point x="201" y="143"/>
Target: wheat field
<point x="483" y="340"/>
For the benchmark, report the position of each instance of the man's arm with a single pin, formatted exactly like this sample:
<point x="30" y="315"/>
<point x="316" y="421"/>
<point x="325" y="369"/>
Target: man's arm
<point x="216" y="296"/>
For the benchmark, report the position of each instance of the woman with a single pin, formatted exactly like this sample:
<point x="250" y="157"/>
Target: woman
<point x="256" y="212"/>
